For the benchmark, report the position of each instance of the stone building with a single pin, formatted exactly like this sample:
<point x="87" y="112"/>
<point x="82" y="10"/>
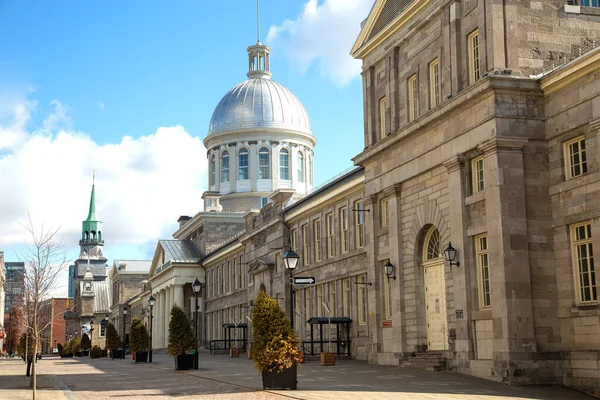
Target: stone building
<point x="2" y="295"/>
<point x="481" y="136"/>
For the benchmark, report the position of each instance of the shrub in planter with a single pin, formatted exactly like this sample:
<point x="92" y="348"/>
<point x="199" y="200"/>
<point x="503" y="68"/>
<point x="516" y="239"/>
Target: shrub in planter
<point x="85" y="342"/>
<point x="66" y="350"/>
<point x="75" y="345"/>
<point x="96" y="352"/>
<point x="113" y="342"/>
<point x="139" y="340"/>
<point x="181" y="339"/>
<point x="275" y="348"/>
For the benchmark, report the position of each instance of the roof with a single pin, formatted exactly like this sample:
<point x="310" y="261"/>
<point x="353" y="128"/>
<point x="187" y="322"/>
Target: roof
<point x="326" y="321"/>
<point x="180" y="251"/>
<point x="141" y="266"/>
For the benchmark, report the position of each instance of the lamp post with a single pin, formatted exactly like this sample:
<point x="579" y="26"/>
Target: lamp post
<point x="196" y="286"/>
<point x="124" y="322"/>
<point x="105" y="326"/>
<point x="91" y="336"/>
<point x="290" y="258"/>
<point x="151" y="301"/>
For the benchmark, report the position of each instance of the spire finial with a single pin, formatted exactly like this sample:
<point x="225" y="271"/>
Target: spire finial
<point x="258" y="19"/>
<point x="92" y="211"/>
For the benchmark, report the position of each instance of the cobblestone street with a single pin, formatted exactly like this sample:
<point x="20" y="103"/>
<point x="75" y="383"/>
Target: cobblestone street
<point x="221" y="377"/>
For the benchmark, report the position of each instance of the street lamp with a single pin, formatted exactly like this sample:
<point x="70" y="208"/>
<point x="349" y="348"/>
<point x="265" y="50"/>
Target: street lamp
<point x="450" y="255"/>
<point x="389" y="270"/>
<point x="290" y="259"/>
<point x="196" y="286"/>
<point x="91" y="336"/>
<point x="151" y="301"/>
<point x="105" y="326"/>
<point x="124" y="322"/>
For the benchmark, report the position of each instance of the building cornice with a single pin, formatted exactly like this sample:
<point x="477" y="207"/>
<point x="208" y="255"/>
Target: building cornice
<point x="563" y="76"/>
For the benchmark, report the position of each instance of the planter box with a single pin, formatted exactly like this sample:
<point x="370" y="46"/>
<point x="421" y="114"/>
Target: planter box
<point x="66" y="355"/>
<point x="302" y="357"/>
<point x="116" y="354"/>
<point x="234" y="352"/>
<point x="184" y="361"/>
<point x="287" y="379"/>
<point x="79" y="354"/>
<point x="141" y="356"/>
<point x="327" y="359"/>
<point x="196" y="356"/>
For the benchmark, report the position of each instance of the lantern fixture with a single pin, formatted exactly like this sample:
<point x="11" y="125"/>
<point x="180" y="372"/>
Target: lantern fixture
<point x="450" y="254"/>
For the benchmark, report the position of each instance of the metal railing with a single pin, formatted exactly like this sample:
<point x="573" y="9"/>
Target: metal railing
<point x="215" y="346"/>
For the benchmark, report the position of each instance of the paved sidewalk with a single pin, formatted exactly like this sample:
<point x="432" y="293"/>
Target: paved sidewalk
<point x="352" y="379"/>
<point x="14" y="385"/>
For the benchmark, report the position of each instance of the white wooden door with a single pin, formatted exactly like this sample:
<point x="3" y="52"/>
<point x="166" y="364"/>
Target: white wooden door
<point x="435" y="302"/>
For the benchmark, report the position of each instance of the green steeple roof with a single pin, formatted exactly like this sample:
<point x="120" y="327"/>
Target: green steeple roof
<point x="92" y="213"/>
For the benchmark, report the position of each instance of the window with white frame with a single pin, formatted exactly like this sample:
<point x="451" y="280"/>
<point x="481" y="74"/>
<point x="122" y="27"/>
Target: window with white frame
<point x="225" y="167"/>
<point x="346" y="297"/>
<point x="305" y="243"/>
<point x="213" y="170"/>
<point x="103" y="324"/>
<point x="300" y="167"/>
<point x="236" y="272"/>
<point x="477" y="175"/>
<point x="317" y="238"/>
<point x="359" y="224"/>
<point x="243" y="165"/>
<point x="434" y="83"/>
<point x="242" y="273"/>
<point x="264" y="164"/>
<point x="385" y="221"/>
<point x="382" y="125"/>
<point x="284" y="165"/>
<point x="294" y="239"/>
<point x="344" y="229"/>
<point x="387" y="296"/>
<point x="474" y="58"/>
<point x="575" y="158"/>
<point x="483" y="271"/>
<point x="362" y="298"/>
<point x="332" y="300"/>
<point x="264" y="201"/>
<point x="413" y="98"/>
<point x="583" y="263"/>
<point x="589" y="3"/>
<point x="329" y="222"/>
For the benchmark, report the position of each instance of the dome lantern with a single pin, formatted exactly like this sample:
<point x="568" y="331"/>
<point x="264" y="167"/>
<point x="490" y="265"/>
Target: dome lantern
<point x="259" y="61"/>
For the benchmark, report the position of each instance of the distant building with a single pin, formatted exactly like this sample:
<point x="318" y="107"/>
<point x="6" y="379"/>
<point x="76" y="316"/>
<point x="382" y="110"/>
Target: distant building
<point x="15" y="285"/>
<point x="52" y="319"/>
<point x="71" y="287"/>
<point x="2" y="284"/>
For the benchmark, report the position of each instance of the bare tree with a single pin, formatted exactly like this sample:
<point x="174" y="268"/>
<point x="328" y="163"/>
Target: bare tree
<point x="44" y="258"/>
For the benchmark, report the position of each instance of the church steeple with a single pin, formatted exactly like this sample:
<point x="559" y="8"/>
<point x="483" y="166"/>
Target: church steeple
<point x="92" y="213"/>
<point x="91" y="232"/>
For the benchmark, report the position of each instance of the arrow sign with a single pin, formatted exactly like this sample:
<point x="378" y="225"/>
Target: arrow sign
<point x="309" y="280"/>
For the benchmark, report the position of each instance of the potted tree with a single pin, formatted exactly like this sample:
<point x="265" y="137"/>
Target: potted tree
<point x="113" y="342"/>
<point x="140" y="342"/>
<point x="275" y="348"/>
<point x="76" y="346"/>
<point x="86" y="344"/>
<point x="66" y="351"/>
<point x="181" y="340"/>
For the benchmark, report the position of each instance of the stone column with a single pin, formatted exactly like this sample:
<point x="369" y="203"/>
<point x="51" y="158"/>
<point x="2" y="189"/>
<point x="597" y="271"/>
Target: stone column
<point x="160" y="328"/>
<point x="395" y="255"/>
<point x="178" y="292"/>
<point x="459" y="332"/>
<point x="166" y="315"/>
<point x="512" y="309"/>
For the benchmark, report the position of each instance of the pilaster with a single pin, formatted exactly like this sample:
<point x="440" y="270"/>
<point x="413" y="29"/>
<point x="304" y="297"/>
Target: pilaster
<point x="374" y="275"/>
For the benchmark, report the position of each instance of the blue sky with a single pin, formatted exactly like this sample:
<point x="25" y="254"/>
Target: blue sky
<point x="85" y="84"/>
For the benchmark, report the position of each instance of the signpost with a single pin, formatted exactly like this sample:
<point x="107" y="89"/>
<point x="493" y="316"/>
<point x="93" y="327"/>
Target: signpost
<point x="307" y="280"/>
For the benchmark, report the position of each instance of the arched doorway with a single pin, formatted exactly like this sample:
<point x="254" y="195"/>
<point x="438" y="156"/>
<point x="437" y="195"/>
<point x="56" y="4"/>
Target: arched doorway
<point x="435" y="291"/>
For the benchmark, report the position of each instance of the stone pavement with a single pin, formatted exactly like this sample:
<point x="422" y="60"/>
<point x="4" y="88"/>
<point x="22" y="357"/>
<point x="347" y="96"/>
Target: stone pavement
<point x="220" y="377"/>
<point x="352" y="379"/>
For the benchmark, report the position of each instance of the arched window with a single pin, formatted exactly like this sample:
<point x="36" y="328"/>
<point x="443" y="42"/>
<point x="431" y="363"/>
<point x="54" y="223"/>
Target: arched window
<point x="225" y="167"/>
<point x="264" y="164"/>
<point x="284" y="165"/>
<point x="243" y="165"/>
<point x="300" y="167"/>
<point x="432" y="245"/>
<point x="213" y="170"/>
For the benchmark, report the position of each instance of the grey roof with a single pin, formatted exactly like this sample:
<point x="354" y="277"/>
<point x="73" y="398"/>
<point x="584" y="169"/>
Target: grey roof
<point x="259" y="103"/>
<point x="140" y="266"/>
<point x="180" y="251"/>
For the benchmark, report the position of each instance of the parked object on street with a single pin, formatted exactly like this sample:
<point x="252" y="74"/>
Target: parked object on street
<point x="275" y="348"/>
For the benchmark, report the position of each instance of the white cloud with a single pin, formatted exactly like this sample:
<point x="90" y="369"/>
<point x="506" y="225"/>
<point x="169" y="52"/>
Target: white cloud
<point x="100" y="105"/>
<point x="142" y="184"/>
<point x="323" y="34"/>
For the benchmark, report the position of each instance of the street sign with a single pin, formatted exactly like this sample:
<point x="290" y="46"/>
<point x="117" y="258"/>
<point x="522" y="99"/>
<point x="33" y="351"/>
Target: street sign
<point x="308" y="280"/>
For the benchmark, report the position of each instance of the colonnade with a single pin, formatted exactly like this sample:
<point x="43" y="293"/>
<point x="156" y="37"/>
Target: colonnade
<point x="165" y="298"/>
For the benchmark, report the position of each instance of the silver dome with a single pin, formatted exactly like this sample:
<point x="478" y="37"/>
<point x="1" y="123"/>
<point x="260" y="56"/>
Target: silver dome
<point x="259" y="103"/>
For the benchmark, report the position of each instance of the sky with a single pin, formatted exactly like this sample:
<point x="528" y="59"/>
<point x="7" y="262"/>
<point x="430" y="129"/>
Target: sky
<point x="127" y="89"/>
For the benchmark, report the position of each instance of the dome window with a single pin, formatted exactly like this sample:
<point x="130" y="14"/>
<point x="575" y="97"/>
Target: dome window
<point x="264" y="164"/>
<point x="243" y="165"/>
<point x="300" y="167"/>
<point x="284" y="165"/>
<point x="225" y="167"/>
<point x="213" y="171"/>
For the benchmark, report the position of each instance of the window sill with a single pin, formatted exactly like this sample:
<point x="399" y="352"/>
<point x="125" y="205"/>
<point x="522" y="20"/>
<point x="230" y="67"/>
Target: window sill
<point x="574" y="183"/>
<point x="571" y="9"/>
<point x="475" y="198"/>
<point x="485" y="313"/>
<point x="587" y="310"/>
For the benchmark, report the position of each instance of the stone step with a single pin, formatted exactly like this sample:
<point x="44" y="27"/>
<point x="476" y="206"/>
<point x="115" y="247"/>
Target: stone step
<point x="430" y="361"/>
